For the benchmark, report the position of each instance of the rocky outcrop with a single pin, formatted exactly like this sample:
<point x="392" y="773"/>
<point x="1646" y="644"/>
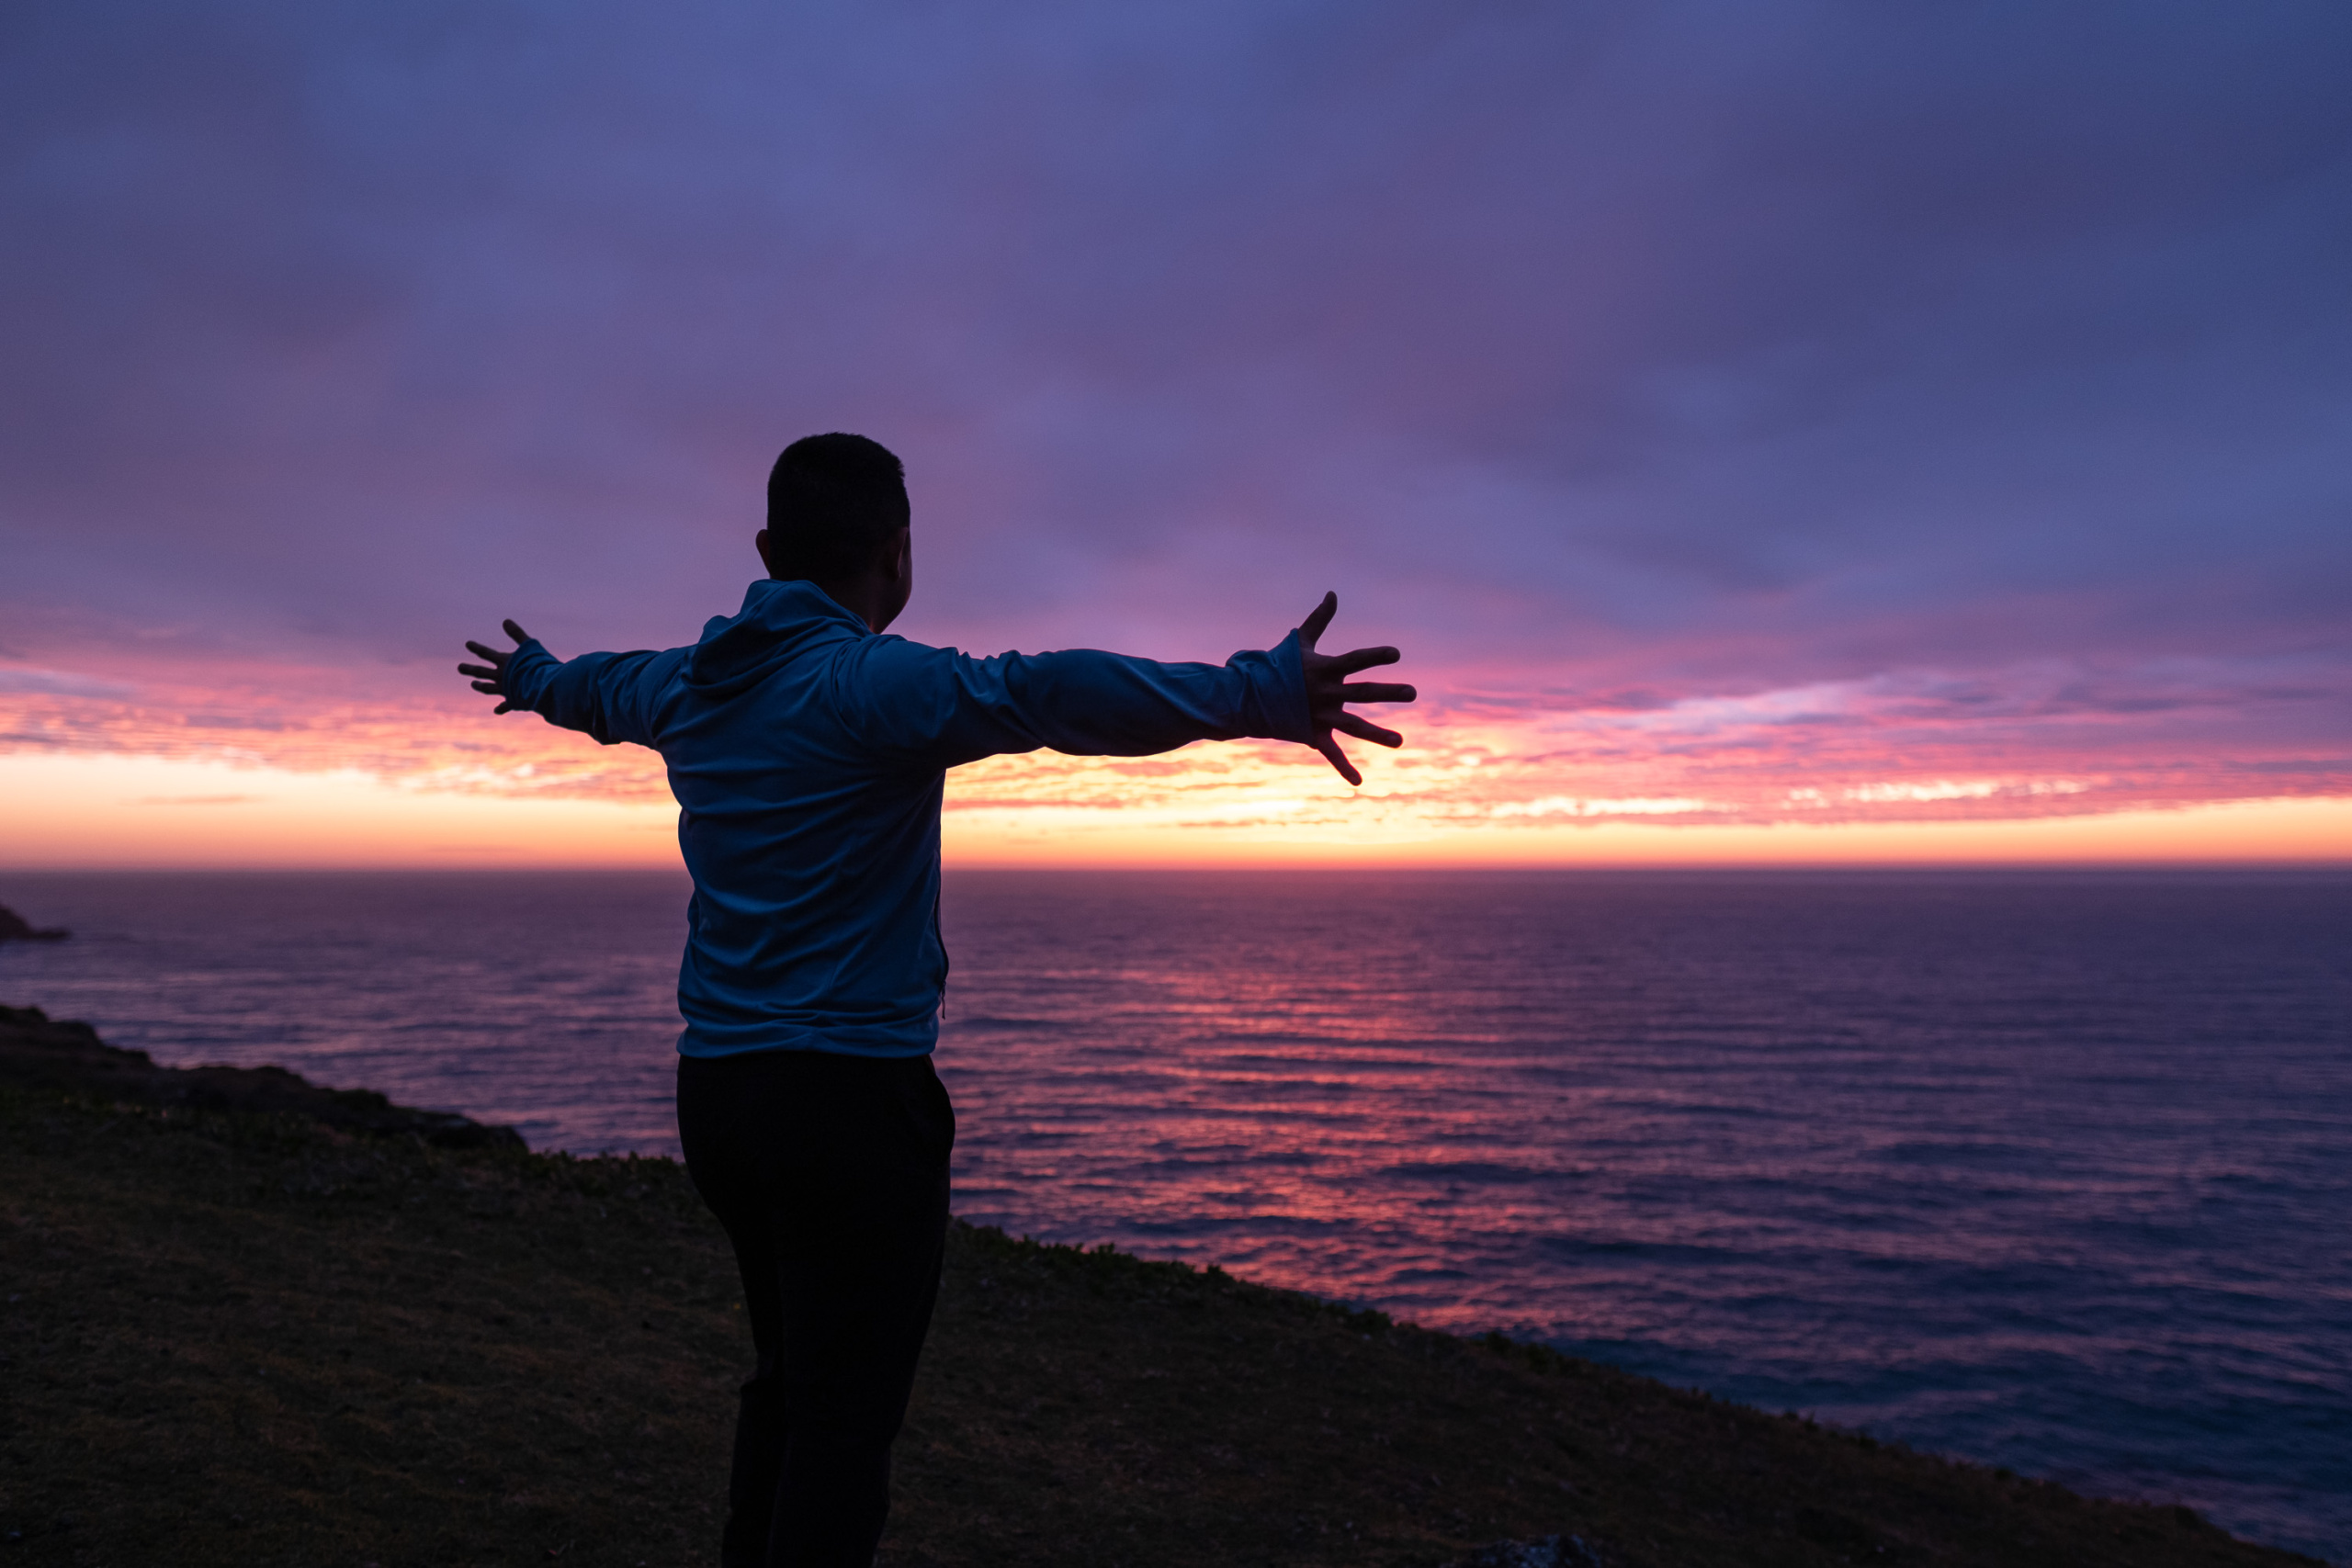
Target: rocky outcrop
<point x="40" y="1052"/>
<point x="13" y="928"/>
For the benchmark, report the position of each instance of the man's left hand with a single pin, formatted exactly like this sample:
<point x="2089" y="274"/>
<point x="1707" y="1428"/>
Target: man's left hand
<point x="492" y="678"/>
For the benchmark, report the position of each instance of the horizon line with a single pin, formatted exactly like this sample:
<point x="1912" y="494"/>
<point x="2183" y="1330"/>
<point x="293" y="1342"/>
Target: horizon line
<point x="2337" y="866"/>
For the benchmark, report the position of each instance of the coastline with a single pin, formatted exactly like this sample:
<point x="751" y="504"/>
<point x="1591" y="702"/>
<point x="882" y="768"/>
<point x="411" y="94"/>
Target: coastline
<point x="247" y="1332"/>
<point x="65" y="1057"/>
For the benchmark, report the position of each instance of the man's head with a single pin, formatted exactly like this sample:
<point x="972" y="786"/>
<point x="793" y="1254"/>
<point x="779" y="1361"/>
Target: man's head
<point x="837" y="517"/>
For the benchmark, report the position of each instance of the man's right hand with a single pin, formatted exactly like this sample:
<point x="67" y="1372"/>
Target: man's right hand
<point x="492" y="678"/>
<point x="1328" y="691"/>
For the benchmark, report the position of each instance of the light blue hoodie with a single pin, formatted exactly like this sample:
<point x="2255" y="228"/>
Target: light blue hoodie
<point x="807" y="755"/>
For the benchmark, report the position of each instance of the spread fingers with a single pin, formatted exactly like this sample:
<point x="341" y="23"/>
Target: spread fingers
<point x="1363" y="658"/>
<point x="1348" y="724"/>
<point x="1318" y="619"/>
<point x="1336" y="758"/>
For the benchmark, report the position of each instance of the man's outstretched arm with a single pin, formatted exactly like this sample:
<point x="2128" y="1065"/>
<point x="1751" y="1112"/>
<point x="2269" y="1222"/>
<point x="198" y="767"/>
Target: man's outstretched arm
<point x="944" y="708"/>
<point x="608" y="695"/>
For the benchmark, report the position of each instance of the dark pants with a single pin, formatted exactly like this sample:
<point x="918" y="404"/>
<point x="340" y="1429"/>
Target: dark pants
<point x="829" y="1173"/>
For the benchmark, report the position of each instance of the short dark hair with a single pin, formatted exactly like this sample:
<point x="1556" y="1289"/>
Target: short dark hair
<point x="833" y="501"/>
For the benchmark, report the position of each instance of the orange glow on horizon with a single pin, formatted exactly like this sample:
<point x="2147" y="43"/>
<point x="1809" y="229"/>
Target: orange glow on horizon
<point x="81" y="812"/>
<point x="132" y="763"/>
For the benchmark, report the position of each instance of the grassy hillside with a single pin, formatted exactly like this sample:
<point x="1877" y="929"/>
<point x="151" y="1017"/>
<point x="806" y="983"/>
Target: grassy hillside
<point x="251" y="1339"/>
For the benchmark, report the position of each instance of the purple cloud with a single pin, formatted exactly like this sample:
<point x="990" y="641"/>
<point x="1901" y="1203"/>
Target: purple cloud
<point x="1683" y="353"/>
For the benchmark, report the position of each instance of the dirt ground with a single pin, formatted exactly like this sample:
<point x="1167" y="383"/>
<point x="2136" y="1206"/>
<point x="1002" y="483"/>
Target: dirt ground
<point x="249" y="1338"/>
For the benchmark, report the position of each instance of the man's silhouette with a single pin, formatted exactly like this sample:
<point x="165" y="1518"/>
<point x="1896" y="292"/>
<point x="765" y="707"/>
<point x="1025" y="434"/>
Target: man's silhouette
<point x="807" y="752"/>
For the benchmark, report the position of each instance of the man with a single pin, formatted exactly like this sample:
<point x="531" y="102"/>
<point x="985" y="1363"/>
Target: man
<point x="807" y="752"/>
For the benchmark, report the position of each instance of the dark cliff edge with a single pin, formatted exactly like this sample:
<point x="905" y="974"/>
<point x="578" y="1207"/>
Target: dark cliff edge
<point x="237" y="1338"/>
<point x="40" y="1052"/>
<point x="14" y="927"/>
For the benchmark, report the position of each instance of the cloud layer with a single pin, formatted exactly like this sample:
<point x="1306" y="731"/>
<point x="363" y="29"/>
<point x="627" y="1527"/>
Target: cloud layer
<point x="1933" y="411"/>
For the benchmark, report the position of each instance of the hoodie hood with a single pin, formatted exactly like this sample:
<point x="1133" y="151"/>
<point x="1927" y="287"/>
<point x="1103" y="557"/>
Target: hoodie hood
<point x="778" y="621"/>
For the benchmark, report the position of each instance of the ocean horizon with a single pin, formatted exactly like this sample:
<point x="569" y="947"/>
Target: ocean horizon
<point x="2050" y="1169"/>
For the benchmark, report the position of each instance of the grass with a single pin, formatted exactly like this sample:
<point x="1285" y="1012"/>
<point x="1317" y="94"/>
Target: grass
<point x="233" y="1338"/>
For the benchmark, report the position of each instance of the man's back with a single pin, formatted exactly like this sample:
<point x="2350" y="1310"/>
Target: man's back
<point x="809" y="755"/>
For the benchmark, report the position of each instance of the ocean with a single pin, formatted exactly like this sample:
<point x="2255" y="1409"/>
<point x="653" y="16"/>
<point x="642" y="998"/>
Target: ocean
<point x="2050" y="1170"/>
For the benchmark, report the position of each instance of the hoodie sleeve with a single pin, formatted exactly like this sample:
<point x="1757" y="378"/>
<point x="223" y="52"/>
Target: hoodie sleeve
<point x="940" y="707"/>
<point x="613" y="696"/>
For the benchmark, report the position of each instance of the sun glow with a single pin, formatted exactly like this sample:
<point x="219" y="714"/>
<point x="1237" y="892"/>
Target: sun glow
<point x="269" y="766"/>
<point x="126" y="812"/>
<point x="84" y="810"/>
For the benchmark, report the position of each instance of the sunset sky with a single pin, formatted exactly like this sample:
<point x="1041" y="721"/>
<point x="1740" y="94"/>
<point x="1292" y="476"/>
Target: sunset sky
<point x="1794" y="433"/>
